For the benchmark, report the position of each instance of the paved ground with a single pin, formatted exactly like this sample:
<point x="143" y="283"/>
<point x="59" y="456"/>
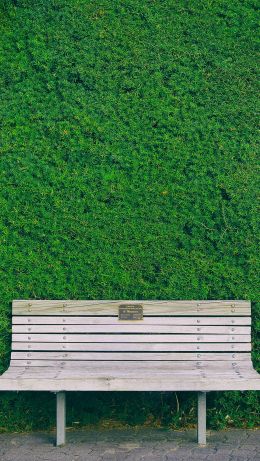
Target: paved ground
<point x="131" y="445"/>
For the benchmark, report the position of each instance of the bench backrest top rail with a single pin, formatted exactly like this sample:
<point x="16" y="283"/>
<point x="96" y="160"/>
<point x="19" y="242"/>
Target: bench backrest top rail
<point x="150" y="307"/>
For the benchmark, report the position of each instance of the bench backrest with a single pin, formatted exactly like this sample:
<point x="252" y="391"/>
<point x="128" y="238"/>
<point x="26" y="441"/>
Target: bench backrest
<point x="45" y="331"/>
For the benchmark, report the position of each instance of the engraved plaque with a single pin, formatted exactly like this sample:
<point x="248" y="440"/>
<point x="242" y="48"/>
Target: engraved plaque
<point x="130" y="312"/>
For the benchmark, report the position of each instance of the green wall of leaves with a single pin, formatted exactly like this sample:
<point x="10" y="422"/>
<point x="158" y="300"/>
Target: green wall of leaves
<point x="127" y="171"/>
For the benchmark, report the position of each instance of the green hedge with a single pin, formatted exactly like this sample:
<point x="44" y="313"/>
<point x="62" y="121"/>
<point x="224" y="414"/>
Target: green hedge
<point x="127" y="170"/>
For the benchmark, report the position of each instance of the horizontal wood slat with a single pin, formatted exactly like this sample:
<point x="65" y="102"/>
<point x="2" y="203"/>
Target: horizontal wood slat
<point x="123" y="366"/>
<point x="164" y="380"/>
<point x="40" y="373"/>
<point x="149" y="347"/>
<point x="212" y="356"/>
<point x="134" y="328"/>
<point x="86" y="320"/>
<point x="133" y="369"/>
<point x="136" y="383"/>
<point x="151" y="307"/>
<point x="126" y="338"/>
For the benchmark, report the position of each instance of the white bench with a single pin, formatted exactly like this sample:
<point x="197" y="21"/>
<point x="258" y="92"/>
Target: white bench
<point x="61" y="346"/>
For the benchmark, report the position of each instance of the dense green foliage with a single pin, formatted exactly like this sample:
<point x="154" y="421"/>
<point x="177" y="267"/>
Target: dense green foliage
<point x="127" y="171"/>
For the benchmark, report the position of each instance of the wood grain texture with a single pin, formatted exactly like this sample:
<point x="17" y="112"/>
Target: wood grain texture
<point x="88" y="320"/>
<point x="69" y="373"/>
<point x="149" y="347"/>
<point x="134" y="328"/>
<point x="151" y="307"/>
<point x="133" y="338"/>
<point x="123" y="366"/>
<point x="212" y="356"/>
<point x="161" y="372"/>
<point x="187" y="383"/>
<point x="135" y="376"/>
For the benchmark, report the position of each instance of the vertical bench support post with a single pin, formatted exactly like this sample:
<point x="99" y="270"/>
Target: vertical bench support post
<point x="60" y="418"/>
<point x="201" y="418"/>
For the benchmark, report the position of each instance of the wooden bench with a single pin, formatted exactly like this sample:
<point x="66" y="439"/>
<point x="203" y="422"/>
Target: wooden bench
<point x="61" y="346"/>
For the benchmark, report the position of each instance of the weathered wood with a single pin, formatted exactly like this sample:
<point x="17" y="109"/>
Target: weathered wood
<point x="65" y="374"/>
<point x="148" y="371"/>
<point x="144" y="347"/>
<point x="154" y="369"/>
<point x="201" y="432"/>
<point x="151" y="307"/>
<point x="88" y="320"/>
<point x="133" y="338"/>
<point x="60" y="418"/>
<point x="134" y="328"/>
<point x="124" y="366"/>
<point x="186" y="383"/>
<point x="211" y="356"/>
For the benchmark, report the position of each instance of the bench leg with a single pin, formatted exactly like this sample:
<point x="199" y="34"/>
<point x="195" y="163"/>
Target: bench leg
<point x="60" y="418"/>
<point x="202" y="418"/>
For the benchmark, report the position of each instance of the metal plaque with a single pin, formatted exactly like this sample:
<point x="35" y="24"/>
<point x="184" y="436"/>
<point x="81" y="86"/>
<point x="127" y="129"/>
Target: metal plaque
<point x="130" y="312"/>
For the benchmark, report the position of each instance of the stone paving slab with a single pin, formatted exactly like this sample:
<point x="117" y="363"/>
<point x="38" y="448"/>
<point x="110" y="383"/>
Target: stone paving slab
<point x="132" y="445"/>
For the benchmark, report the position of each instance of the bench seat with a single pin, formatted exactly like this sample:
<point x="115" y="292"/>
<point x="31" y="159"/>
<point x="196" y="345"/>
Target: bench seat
<point x="60" y="346"/>
<point x="133" y="376"/>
